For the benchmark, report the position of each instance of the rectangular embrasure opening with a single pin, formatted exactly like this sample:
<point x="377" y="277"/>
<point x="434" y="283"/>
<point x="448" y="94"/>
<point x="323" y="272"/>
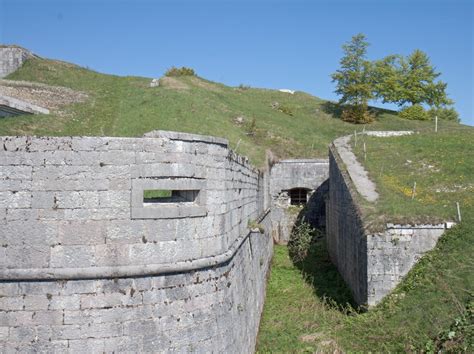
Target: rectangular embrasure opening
<point x="157" y="196"/>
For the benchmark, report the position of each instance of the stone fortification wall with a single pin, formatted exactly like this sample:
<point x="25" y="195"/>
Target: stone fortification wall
<point x="11" y="58"/>
<point x="371" y="263"/>
<point x="86" y="263"/>
<point x="345" y="235"/>
<point x="392" y="253"/>
<point x="289" y="174"/>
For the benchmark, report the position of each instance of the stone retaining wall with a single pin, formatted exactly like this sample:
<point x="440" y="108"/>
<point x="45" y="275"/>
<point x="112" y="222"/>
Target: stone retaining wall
<point x="372" y="264"/>
<point x="85" y="264"/>
<point x="11" y="58"/>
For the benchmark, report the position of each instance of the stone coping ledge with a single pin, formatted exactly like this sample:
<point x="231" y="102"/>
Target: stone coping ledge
<point x="125" y="271"/>
<point x="387" y="133"/>
<point x="186" y="137"/>
<point x="22" y="105"/>
<point x="322" y="161"/>
<point x="356" y="171"/>
<point x="443" y="226"/>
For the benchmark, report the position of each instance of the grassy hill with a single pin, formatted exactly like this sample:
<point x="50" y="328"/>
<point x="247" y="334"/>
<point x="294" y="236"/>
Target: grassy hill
<point x="296" y="126"/>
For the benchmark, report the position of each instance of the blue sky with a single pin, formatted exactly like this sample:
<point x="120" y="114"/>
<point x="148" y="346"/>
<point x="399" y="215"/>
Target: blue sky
<point x="261" y="43"/>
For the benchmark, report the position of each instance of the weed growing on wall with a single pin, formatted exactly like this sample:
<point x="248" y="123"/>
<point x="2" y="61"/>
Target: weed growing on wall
<point x="254" y="225"/>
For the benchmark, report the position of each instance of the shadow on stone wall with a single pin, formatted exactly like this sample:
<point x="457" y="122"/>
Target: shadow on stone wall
<point x="316" y="266"/>
<point x="314" y="213"/>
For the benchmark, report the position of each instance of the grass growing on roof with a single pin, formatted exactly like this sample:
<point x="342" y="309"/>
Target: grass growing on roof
<point x="441" y="164"/>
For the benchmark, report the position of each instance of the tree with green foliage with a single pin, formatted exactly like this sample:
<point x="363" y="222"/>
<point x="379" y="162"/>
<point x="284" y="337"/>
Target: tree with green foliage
<point x="386" y="76"/>
<point x="418" y="82"/>
<point x="446" y="113"/>
<point x="353" y="80"/>
<point x="409" y="80"/>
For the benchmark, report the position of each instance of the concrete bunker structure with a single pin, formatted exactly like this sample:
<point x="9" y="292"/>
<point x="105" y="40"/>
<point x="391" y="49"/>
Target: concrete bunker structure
<point x="297" y="186"/>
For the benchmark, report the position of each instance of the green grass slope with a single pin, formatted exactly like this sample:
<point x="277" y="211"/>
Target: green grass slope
<point x="127" y="106"/>
<point x="441" y="164"/>
<point x="309" y="310"/>
<point x="308" y="307"/>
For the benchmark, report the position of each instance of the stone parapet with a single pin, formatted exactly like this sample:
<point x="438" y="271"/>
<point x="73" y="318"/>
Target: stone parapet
<point x="87" y="262"/>
<point x="371" y="263"/>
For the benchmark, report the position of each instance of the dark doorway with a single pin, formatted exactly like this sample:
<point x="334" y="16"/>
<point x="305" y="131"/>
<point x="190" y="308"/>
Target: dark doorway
<point x="298" y="196"/>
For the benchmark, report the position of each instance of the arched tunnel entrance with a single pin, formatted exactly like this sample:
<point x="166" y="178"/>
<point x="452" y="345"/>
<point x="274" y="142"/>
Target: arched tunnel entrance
<point x="298" y="189"/>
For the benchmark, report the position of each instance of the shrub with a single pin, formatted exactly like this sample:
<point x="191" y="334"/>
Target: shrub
<point x="183" y="71"/>
<point x="444" y="113"/>
<point x="286" y="110"/>
<point x="251" y="127"/>
<point x="415" y="112"/>
<point x="281" y="108"/>
<point x="300" y="241"/>
<point x="243" y="87"/>
<point x="358" y="114"/>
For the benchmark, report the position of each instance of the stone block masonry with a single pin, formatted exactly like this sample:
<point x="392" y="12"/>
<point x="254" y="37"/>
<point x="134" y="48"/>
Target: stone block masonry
<point x="309" y="175"/>
<point x="11" y="58"/>
<point x="371" y="263"/>
<point x="10" y="106"/>
<point x="86" y="264"/>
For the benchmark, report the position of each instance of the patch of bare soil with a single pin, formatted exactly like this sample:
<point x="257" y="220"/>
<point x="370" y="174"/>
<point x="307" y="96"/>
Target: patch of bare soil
<point x="50" y="97"/>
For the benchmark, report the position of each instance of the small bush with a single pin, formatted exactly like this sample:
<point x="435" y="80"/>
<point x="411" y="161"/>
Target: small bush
<point x="243" y="87"/>
<point x="458" y="338"/>
<point x="286" y="110"/>
<point x="281" y="108"/>
<point x="300" y="241"/>
<point x="183" y="71"/>
<point x="444" y="113"/>
<point x="415" y="112"/>
<point x="251" y="127"/>
<point x="358" y="114"/>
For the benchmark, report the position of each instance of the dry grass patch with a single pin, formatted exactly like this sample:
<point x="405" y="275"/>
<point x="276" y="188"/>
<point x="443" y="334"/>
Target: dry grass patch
<point x="205" y="84"/>
<point x="51" y="97"/>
